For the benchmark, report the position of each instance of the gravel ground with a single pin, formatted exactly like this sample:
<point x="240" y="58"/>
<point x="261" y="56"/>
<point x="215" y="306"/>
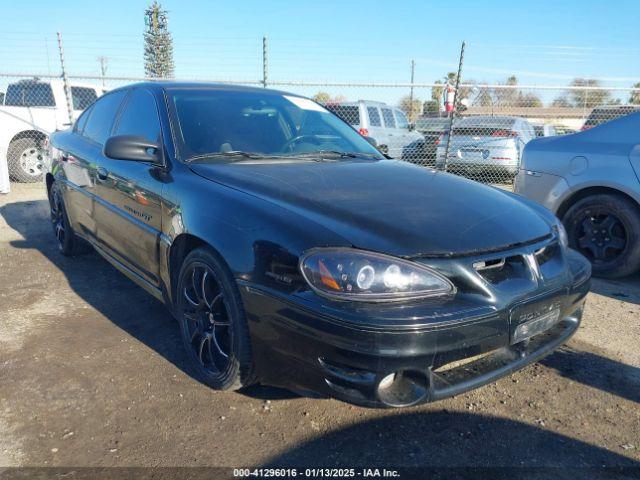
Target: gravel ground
<point x="92" y="374"/>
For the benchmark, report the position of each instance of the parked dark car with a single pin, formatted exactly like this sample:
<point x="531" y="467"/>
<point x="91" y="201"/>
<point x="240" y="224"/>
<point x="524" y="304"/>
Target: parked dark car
<point x="600" y="115"/>
<point x="293" y="253"/>
<point x="433" y="129"/>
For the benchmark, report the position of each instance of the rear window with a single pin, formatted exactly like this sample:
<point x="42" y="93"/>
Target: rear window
<point x="348" y="113"/>
<point x="435" y="125"/>
<point x="485" y="131"/>
<point x="30" y="94"/>
<point x="82" y="97"/>
<point x="374" y="117"/>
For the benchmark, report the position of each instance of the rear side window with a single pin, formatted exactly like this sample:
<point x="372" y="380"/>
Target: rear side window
<point x="374" y="117"/>
<point x="387" y="115"/>
<point x="140" y="116"/>
<point x="82" y="121"/>
<point x="348" y="113"/>
<point x="30" y="94"/>
<point x="402" y="119"/>
<point x="82" y="97"/>
<point x="103" y="112"/>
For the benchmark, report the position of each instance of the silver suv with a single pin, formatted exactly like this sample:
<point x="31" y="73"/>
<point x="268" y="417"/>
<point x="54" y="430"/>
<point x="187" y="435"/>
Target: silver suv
<point x="387" y="125"/>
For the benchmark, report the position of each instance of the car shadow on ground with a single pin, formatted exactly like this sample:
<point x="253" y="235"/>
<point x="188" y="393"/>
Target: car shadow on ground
<point x="147" y="320"/>
<point x="112" y="294"/>
<point x="625" y="289"/>
<point x="449" y="441"/>
<point x="596" y="371"/>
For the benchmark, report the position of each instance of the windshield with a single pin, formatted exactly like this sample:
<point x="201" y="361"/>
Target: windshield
<point x="214" y="122"/>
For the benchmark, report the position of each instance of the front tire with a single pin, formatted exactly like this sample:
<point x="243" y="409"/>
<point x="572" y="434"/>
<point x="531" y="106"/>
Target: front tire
<point x="605" y="228"/>
<point x="212" y="322"/>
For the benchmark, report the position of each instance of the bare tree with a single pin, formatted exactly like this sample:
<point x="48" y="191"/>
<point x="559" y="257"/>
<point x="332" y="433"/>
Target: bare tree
<point x="591" y="96"/>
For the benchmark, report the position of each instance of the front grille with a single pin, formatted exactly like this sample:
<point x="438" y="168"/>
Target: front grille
<point x="545" y="262"/>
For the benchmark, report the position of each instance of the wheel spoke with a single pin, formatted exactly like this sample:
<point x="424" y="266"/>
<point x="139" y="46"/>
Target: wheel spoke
<point x="205" y="338"/>
<point x="218" y="349"/>
<point x="617" y="243"/>
<point x="203" y="289"/>
<point x="587" y="225"/>
<point x="189" y="300"/>
<point x="608" y="222"/>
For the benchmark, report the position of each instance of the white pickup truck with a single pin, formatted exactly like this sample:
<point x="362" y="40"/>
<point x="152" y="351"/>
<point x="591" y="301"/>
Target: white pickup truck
<point x="32" y="109"/>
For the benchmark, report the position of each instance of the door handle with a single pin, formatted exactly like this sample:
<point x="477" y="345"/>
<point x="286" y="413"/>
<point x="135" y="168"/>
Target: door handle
<point x="102" y="173"/>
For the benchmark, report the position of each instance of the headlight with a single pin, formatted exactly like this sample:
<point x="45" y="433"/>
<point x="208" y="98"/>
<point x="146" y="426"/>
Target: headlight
<point x="563" y="238"/>
<point x="350" y="274"/>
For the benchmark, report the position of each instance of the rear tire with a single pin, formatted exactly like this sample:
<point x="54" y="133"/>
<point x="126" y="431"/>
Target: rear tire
<point x="212" y="322"/>
<point x="605" y="228"/>
<point x="68" y="242"/>
<point x="25" y="158"/>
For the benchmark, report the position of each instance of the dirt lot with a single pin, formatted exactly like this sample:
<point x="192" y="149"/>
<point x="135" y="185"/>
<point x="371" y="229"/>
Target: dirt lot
<point x="92" y="374"/>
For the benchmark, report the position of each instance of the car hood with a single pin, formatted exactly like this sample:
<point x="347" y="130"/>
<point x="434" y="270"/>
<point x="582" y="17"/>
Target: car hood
<point x="389" y="206"/>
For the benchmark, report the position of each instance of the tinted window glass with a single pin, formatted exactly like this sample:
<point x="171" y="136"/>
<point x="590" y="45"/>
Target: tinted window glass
<point x="374" y="117"/>
<point x="211" y="121"/>
<point x="402" y="120"/>
<point x="140" y="116"/>
<point x="348" y="113"/>
<point x="103" y="112"/>
<point x="82" y="97"/>
<point x="389" y="121"/>
<point x="30" y="94"/>
<point x="82" y="121"/>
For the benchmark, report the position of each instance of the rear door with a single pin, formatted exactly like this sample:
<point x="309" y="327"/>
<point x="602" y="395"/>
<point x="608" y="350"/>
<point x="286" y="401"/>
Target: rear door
<point x="129" y="215"/>
<point x="80" y="159"/>
<point x="376" y="129"/>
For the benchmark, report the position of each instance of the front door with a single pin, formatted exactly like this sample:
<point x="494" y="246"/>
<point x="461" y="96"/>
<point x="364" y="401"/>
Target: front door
<point x="129" y="214"/>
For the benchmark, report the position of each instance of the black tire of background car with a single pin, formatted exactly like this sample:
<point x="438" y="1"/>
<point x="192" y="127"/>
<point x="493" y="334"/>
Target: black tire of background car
<point x="69" y="243"/>
<point x="239" y="372"/>
<point x="14" y="154"/>
<point x="627" y="213"/>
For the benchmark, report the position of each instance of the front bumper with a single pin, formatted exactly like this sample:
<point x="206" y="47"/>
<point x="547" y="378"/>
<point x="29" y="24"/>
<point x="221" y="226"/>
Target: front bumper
<point x="313" y="352"/>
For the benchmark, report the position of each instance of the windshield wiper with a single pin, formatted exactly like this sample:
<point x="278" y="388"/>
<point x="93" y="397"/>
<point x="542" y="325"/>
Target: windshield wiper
<point x="335" y="153"/>
<point x="232" y="154"/>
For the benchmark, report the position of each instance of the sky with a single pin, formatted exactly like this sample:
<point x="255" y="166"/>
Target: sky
<point x="542" y="42"/>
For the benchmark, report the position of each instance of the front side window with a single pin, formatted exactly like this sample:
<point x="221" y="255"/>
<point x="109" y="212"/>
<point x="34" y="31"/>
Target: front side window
<point x="387" y="115"/>
<point x="140" y="116"/>
<point x="30" y="94"/>
<point x="103" y="112"/>
<point x="210" y="121"/>
<point x="82" y="97"/>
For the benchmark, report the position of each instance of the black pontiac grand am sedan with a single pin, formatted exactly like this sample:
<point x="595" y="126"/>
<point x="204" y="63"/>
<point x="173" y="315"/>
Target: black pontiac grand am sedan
<point x="293" y="253"/>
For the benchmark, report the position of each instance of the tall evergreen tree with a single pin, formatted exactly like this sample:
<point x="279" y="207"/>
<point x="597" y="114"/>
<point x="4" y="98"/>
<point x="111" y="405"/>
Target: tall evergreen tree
<point x="158" y="44"/>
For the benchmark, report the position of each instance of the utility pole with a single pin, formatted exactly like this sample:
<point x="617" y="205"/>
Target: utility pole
<point x="413" y="71"/>
<point x="103" y="69"/>
<point x="455" y="107"/>
<point x="65" y="80"/>
<point x="265" y="69"/>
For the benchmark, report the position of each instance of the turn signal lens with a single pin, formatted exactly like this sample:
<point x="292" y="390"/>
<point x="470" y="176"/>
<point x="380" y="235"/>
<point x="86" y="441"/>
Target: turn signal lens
<point x="352" y="274"/>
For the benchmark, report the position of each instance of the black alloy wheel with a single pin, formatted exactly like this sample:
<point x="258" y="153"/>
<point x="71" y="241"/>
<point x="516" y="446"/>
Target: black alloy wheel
<point x="605" y="228"/>
<point x="68" y="242"/>
<point x="212" y="322"/>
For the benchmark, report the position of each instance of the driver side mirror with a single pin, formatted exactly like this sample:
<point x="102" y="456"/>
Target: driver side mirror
<point x="131" y="147"/>
<point x="411" y="126"/>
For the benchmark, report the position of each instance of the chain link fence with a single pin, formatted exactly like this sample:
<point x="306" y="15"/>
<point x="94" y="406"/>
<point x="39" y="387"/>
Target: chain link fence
<point x="478" y="130"/>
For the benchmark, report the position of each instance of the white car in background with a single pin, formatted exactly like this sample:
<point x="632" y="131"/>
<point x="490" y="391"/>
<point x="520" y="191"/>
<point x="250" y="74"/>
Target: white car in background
<point x="32" y="110"/>
<point x="387" y="125"/>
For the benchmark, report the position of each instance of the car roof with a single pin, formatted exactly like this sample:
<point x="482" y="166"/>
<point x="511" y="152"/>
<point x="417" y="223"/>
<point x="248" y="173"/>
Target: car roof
<point x="486" y="120"/>
<point x="371" y="103"/>
<point x="163" y="85"/>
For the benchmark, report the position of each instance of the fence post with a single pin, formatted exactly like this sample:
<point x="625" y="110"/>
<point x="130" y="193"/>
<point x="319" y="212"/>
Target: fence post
<point x="265" y="70"/>
<point x="65" y="80"/>
<point x="455" y="108"/>
<point x="413" y="71"/>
